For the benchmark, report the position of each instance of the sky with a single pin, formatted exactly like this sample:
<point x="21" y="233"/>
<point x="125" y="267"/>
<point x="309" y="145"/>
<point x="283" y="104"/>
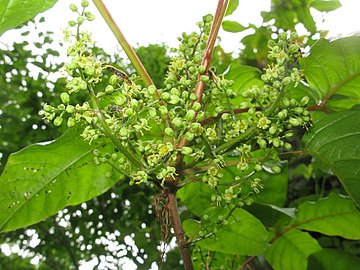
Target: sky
<point x="146" y="22"/>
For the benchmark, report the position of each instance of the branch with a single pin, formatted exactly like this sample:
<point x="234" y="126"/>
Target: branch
<point x="139" y="67"/>
<point x="199" y="88"/>
<point x="179" y="233"/>
<point x="219" y="15"/>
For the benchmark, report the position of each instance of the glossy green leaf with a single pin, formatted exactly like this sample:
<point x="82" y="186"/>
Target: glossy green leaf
<point x="234" y="27"/>
<point x="335" y="140"/>
<point x="337" y="77"/>
<point x="243" y="235"/>
<point x="196" y="196"/>
<point x="291" y="250"/>
<point x="333" y="216"/>
<point x="326" y="5"/>
<point x="15" y="12"/>
<point x="270" y="215"/>
<point x="287" y="14"/>
<point x="217" y="260"/>
<point x="275" y="185"/>
<point x="232" y="7"/>
<point x="332" y="259"/>
<point x="41" y="179"/>
<point x="244" y="77"/>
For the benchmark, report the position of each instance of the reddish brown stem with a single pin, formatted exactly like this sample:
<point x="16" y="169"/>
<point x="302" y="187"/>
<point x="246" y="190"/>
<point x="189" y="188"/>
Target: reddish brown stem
<point x="206" y="60"/>
<point x="220" y="12"/>
<point x="179" y="233"/>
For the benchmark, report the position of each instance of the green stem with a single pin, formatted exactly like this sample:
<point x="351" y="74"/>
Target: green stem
<point x="139" y="67"/>
<point x="235" y="141"/>
<point x="132" y="158"/>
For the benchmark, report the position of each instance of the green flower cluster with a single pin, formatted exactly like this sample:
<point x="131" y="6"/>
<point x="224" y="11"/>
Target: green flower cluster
<point x="175" y="135"/>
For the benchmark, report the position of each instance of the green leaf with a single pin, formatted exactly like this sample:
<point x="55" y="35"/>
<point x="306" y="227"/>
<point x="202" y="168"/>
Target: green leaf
<point x="275" y="185"/>
<point x="217" y="260"/>
<point x="332" y="259"/>
<point x="333" y="216"/>
<point x="270" y="215"/>
<point x="243" y="235"/>
<point x="41" y="179"/>
<point x="326" y="5"/>
<point x="338" y="75"/>
<point x="15" y="12"/>
<point x="234" y="27"/>
<point x="335" y="141"/>
<point x="306" y="18"/>
<point x="290" y="250"/>
<point x="232" y="7"/>
<point x="196" y="197"/>
<point x="244" y="77"/>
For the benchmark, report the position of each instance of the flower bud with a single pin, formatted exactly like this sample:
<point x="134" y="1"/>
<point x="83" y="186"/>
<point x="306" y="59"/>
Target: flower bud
<point x="175" y="91"/>
<point x="73" y="7"/>
<point x="109" y="89"/>
<point x="152" y="112"/>
<point x="178" y="122"/>
<point x="165" y="96"/>
<point x="48" y="108"/>
<point x="201" y="69"/>
<point x="257" y="167"/>
<point x="286" y="81"/>
<point x="294" y="122"/>
<point x="84" y="3"/>
<point x="196" y="106"/>
<point x="282" y="36"/>
<point x="89" y="70"/>
<point x="174" y="99"/>
<point x="70" y="122"/>
<point x="70" y="109"/>
<point x="80" y="20"/>
<point x="304" y="101"/>
<point x="89" y="16"/>
<point x="169" y="131"/>
<point x="163" y="110"/>
<point x="186" y="150"/>
<point x="58" y="121"/>
<point x="83" y="85"/>
<point x="276" y="169"/>
<point x="190" y="115"/>
<point x="72" y="23"/>
<point x="65" y="98"/>
<point x="225" y="116"/>
<point x="189" y="136"/>
<point x="151" y="89"/>
<point x="113" y="79"/>
<point x="205" y="78"/>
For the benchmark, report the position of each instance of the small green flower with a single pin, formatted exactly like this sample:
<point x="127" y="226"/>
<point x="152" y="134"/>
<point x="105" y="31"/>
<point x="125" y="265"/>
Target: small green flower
<point x="263" y="122"/>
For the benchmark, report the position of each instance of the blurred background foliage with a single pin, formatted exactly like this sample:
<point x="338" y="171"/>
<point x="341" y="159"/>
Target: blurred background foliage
<point x="109" y="227"/>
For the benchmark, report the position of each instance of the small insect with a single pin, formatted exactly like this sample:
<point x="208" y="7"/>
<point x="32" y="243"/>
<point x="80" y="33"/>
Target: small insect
<point x="121" y="74"/>
<point x="114" y="108"/>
